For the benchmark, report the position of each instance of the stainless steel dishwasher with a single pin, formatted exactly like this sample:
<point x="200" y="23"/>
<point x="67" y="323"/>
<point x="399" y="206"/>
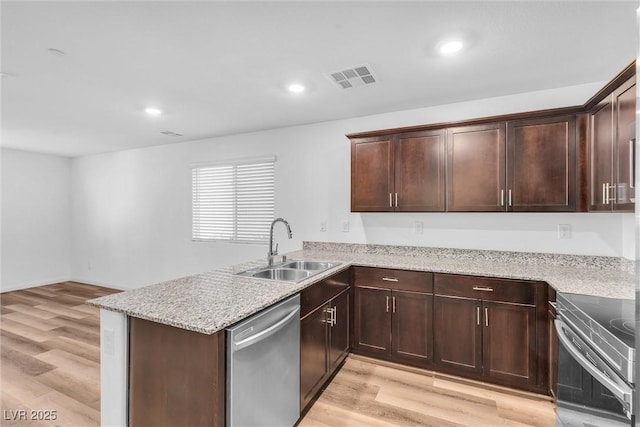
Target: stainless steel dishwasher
<point x="263" y="367"/>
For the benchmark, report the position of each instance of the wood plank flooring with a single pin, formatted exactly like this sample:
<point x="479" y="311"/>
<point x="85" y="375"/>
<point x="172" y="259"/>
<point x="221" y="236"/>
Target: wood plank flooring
<point x="50" y="356"/>
<point x="372" y="393"/>
<point x="50" y="361"/>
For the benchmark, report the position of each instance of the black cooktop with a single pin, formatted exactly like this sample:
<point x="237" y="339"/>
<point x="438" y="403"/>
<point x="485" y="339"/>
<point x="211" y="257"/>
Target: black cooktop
<point x="614" y="314"/>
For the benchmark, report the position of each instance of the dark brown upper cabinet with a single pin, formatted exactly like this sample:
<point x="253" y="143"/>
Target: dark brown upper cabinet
<point x="559" y="160"/>
<point x="541" y="165"/>
<point x="611" y="150"/>
<point x="524" y="165"/>
<point x="401" y="173"/>
<point x="476" y="160"/>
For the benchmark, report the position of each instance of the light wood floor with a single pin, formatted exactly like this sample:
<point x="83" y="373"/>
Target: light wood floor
<point x="50" y="355"/>
<point x="371" y="393"/>
<point x="50" y="361"/>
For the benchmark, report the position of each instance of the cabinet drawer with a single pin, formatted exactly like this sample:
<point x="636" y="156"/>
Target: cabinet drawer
<point x="404" y="280"/>
<point x="488" y="289"/>
<point x="319" y="293"/>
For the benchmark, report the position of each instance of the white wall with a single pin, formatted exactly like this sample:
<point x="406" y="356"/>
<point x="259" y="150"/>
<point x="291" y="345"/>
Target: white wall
<point x="131" y="209"/>
<point x="35" y="227"/>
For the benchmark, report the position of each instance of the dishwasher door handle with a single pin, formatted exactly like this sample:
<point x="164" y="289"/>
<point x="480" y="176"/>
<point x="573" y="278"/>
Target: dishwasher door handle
<point x="253" y="339"/>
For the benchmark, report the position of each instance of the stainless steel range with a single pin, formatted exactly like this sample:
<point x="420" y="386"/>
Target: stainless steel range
<point x="596" y="366"/>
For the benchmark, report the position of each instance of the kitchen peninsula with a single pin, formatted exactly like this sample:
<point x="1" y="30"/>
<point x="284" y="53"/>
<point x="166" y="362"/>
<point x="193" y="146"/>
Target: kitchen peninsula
<point x="204" y="305"/>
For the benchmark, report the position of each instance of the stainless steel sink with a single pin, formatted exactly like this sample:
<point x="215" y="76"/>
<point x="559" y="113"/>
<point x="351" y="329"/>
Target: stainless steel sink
<point x="286" y="274"/>
<point x="289" y="271"/>
<point x="309" y="265"/>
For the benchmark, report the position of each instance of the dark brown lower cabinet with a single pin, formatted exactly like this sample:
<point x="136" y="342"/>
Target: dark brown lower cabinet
<point x="492" y="329"/>
<point x="324" y="338"/>
<point x="313" y="353"/>
<point x="458" y="334"/>
<point x="170" y="370"/>
<point x="394" y="324"/>
<point x="412" y="324"/>
<point x="372" y="320"/>
<point x="509" y="338"/>
<point x="339" y="330"/>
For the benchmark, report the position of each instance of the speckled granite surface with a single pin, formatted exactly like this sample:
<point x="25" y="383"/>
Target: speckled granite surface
<point x="212" y="301"/>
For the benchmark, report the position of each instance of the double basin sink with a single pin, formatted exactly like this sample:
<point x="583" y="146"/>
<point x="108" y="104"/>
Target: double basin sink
<point x="289" y="271"/>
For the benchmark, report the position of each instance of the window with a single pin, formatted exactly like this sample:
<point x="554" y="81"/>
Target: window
<point x="234" y="201"/>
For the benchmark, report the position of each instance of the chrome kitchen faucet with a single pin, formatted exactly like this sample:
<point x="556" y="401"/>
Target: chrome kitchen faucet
<point x="273" y="252"/>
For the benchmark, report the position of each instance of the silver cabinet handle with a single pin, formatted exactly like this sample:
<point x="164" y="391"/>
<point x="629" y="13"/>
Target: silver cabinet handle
<point x="393" y="300"/>
<point x="330" y="313"/>
<point x="389" y="279"/>
<point x="604" y="194"/>
<point x="502" y="197"/>
<point x="396" y="200"/>
<point x="390" y="201"/>
<point x="510" y="200"/>
<point x="483" y="288"/>
<point x="333" y="318"/>
<point x="608" y="199"/>
<point x="486" y="316"/>
<point x="478" y="316"/>
<point x="613" y="198"/>
<point x="387" y="303"/>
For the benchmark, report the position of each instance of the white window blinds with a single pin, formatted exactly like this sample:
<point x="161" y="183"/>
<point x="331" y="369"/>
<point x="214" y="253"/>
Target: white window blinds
<point x="234" y="201"/>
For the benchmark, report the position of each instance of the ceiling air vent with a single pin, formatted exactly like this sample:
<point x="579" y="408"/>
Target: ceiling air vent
<point x="359" y="75"/>
<point x="169" y="133"/>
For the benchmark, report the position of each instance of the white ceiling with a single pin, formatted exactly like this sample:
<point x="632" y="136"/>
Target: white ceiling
<point x="221" y="68"/>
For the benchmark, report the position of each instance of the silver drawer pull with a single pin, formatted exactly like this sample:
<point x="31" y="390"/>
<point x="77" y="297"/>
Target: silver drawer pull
<point x="389" y="279"/>
<point x="483" y="288"/>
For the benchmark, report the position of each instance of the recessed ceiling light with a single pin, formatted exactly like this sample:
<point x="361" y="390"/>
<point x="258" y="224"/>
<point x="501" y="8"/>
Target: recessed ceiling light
<point x="152" y="111"/>
<point x="56" y="52"/>
<point x="451" y="47"/>
<point x="295" y="88"/>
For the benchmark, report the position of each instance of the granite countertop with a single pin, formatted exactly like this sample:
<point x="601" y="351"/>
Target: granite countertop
<point x="210" y="302"/>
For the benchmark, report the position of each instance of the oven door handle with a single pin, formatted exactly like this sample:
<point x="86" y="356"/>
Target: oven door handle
<point x="623" y="393"/>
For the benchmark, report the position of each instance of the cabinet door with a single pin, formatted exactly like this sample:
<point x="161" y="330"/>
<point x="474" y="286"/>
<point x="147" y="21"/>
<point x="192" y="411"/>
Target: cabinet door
<point x="600" y="155"/>
<point x="476" y="168"/>
<point x="372" y="320"/>
<point x="372" y="175"/>
<point x="339" y="331"/>
<point x="509" y="338"/>
<point x="313" y="353"/>
<point x="624" y="119"/>
<point x="412" y="325"/>
<point x="541" y="167"/>
<point x="419" y="172"/>
<point x="458" y="334"/>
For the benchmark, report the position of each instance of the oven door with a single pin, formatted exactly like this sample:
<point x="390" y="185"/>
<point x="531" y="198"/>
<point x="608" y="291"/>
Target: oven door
<point x="585" y="410"/>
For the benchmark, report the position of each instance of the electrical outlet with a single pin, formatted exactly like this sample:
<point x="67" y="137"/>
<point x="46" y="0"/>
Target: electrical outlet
<point x="418" y="227"/>
<point x="109" y="341"/>
<point x="323" y="226"/>
<point x="564" y="231"/>
<point x="345" y="226"/>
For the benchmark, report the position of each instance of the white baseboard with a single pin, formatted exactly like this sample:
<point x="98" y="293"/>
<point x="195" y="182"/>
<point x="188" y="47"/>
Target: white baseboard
<point x="26" y="285"/>
<point x="104" y="285"/>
